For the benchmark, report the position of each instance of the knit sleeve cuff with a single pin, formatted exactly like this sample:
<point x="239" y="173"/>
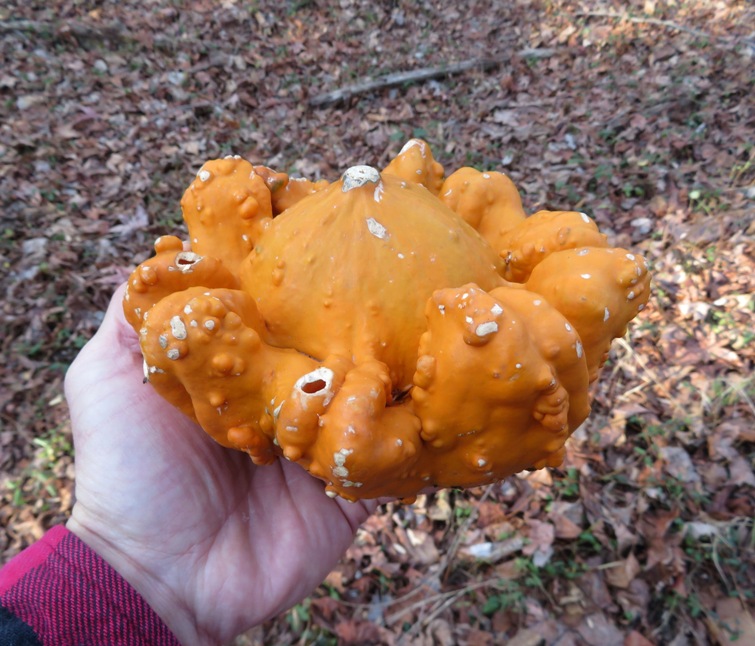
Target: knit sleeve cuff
<point x="67" y="594"/>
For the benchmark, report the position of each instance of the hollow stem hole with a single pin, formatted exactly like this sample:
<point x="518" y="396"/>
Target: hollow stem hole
<point x="313" y="387"/>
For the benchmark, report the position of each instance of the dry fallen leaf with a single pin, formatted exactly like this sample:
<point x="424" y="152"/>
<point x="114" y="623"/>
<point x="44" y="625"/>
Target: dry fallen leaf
<point x="598" y="630"/>
<point x="621" y="574"/>
<point x="540" y="546"/>
<point x="492" y="552"/>
<point x="679" y="464"/>
<point x="732" y="624"/>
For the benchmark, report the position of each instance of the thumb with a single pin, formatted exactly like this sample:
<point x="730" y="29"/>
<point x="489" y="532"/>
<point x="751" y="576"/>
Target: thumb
<point x="114" y="349"/>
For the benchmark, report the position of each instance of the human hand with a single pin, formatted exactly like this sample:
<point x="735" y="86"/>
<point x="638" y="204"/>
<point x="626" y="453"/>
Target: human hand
<point x="213" y="543"/>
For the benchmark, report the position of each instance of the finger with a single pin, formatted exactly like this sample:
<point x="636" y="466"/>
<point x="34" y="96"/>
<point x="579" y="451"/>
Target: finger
<point x="115" y="328"/>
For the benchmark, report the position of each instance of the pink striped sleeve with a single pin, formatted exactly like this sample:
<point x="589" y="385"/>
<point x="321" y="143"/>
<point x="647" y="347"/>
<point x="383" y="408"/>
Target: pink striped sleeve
<point x="67" y="594"/>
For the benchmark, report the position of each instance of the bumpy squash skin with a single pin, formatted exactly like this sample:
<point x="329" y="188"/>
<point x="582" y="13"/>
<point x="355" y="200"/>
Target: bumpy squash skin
<point x="226" y="208"/>
<point x="286" y="191"/>
<point x="415" y="164"/>
<point x="362" y="263"/>
<point x="525" y="246"/>
<point x="487" y="201"/>
<point x="599" y="291"/>
<point x="389" y="331"/>
<point x="500" y="384"/>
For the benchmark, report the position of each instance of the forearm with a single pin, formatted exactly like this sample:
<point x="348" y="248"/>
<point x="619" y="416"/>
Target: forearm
<point x="66" y="593"/>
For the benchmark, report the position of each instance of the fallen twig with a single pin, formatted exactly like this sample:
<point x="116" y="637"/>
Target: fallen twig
<point x="445" y="564"/>
<point x="112" y="31"/>
<point x="420" y="75"/>
<point x="424" y="620"/>
<point x="41" y="28"/>
<point x="440" y="598"/>
<point x="646" y="20"/>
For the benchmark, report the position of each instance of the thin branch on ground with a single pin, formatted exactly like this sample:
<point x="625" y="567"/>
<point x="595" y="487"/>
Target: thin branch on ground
<point x="417" y="76"/>
<point x="450" y="555"/>
<point x="441" y="597"/>
<point x="110" y="31"/>
<point x="668" y="24"/>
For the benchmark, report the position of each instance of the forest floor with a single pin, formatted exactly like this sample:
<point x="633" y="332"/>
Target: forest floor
<point x="640" y="114"/>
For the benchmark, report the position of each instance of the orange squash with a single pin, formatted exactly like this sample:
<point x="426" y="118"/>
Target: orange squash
<point x="388" y="331"/>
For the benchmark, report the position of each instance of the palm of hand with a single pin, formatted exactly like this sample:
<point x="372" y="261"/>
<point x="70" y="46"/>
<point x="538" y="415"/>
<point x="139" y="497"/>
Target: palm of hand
<point x="212" y="542"/>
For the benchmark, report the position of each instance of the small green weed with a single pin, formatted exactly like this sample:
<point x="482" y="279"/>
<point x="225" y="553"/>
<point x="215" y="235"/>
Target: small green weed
<point x="510" y="596"/>
<point x="37" y="481"/>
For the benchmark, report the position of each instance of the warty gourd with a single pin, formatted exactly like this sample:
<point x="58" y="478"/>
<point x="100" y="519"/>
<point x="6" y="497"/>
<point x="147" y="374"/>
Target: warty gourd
<point x="390" y="331"/>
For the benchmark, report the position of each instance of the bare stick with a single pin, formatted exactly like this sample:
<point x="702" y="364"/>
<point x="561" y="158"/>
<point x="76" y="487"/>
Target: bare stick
<point x="112" y="31"/>
<point x="650" y="21"/>
<point x="445" y="564"/>
<point x="417" y="76"/>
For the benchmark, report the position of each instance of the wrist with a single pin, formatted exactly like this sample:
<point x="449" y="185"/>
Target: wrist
<point x="152" y="581"/>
